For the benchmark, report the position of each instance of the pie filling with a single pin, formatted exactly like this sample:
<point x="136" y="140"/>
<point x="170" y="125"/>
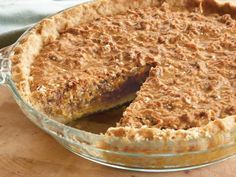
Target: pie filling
<point x="123" y="93"/>
<point x="128" y="88"/>
<point x="186" y="60"/>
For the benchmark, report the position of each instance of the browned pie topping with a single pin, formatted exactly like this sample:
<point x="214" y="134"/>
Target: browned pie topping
<point x="195" y="78"/>
<point x="88" y="62"/>
<point x="192" y="82"/>
<point x="180" y="95"/>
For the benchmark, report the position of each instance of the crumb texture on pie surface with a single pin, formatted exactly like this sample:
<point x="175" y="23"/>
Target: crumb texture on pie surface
<point x="69" y="62"/>
<point x="194" y="80"/>
<point x="192" y="84"/>
<point x="93" y="49"/>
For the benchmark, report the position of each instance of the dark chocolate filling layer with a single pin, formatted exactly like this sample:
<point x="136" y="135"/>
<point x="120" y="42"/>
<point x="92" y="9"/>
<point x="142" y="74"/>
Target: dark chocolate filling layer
<point x="129" y="87"/>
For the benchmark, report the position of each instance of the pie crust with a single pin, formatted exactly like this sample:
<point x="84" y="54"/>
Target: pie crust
<point x="125" y="137"/>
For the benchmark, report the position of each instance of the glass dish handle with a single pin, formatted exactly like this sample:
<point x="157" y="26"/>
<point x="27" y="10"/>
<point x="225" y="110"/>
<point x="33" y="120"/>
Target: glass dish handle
<point x="5" y="65"/>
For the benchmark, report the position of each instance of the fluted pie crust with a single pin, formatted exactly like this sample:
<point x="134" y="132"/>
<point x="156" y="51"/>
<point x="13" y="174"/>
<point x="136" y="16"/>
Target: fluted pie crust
<point x="147" y="36"/>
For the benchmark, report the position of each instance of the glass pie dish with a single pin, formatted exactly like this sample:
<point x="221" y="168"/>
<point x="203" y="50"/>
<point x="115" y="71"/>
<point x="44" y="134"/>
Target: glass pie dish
<point x="99" y="148"/>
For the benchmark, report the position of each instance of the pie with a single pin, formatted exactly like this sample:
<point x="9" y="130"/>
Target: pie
<point x="173" y="60"/>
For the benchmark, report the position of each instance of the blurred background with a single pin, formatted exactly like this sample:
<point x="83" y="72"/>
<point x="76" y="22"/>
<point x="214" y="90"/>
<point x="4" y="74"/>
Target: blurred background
<point x="18" y="15"/>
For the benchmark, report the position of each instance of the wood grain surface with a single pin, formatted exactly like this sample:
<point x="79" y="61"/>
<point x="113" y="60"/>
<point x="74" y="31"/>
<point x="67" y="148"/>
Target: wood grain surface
<point x="26" y="151"/>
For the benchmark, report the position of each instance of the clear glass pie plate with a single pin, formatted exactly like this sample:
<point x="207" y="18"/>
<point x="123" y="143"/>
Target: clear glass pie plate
<point x="89" y="144"/>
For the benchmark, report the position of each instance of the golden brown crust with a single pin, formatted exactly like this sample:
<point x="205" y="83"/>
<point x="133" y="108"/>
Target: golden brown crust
<point x="50" y="28"/>
<point x="153" y="140"/>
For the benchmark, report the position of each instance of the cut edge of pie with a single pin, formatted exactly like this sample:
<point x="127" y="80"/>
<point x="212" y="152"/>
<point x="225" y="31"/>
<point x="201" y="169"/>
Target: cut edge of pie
<point x="215" y="133"/>
<point x="24" y="53"/>
<point x="153" y="140"/>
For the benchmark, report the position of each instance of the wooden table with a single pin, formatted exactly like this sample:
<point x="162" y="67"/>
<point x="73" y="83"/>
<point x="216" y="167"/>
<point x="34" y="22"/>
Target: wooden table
<point x="26" y="151"/>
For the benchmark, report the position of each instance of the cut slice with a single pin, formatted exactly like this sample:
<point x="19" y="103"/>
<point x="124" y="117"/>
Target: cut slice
<point x="183" y="94"/>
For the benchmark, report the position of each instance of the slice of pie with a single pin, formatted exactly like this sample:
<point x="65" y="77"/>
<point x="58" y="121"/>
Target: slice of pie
<point x="185" y="98"/>
<point x="175" y="59"/>
<point x="183" y="95"/>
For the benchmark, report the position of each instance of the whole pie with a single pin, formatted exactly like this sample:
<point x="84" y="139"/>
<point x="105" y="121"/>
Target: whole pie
<point x="175" y="61"/>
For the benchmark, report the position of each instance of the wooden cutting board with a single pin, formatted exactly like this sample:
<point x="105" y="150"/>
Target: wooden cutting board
<point x="26" y="151"/>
